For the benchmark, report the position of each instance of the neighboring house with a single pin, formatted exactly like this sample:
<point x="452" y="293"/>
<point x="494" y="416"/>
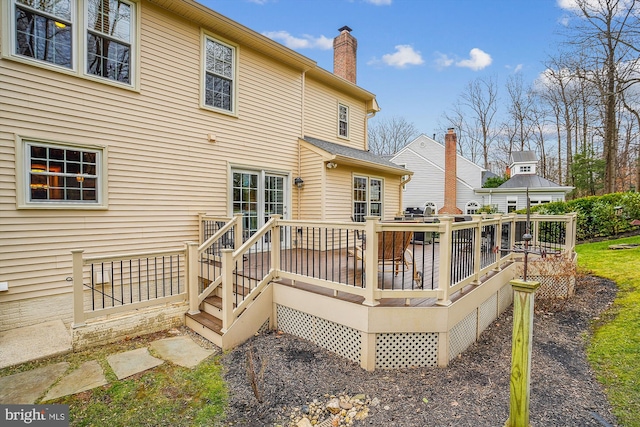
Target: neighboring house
<point x="117" y="127"/>
<point x="512" y="194"/>
<point x="427" y="158"/>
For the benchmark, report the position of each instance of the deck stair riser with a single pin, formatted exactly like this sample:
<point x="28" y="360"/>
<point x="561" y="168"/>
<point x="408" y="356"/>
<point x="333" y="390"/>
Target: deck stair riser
<point x="205" y="325"/>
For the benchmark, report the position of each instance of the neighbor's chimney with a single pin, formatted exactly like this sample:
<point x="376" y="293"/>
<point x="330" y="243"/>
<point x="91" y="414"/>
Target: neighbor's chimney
<point x="450" y="174"/>
<point x="344" y="55"/>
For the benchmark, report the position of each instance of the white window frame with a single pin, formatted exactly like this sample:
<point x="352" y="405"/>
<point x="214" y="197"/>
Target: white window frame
<point x="132" y="42"/>
<point x="203" y="81"/>
<point x="432" y="205"/>
<point x="368" y="196"/>
<point x="512" y="202"/>
<point x="534" y="202"/>
<point x="344" y="120"/>
<point x="23" y="176"/>
<point x="79" y="23"/>
<point x="525" y="169"/>
<point x="471" y="205"/>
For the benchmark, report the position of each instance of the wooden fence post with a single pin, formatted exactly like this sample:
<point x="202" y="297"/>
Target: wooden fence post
<point x="192" y="277"/>
<point x="371" y="261"/>
<point x="228" y="288"/>
<point x="444" y="278"/>
<point x="78" y="289"/>
<point x="521" y="345"/>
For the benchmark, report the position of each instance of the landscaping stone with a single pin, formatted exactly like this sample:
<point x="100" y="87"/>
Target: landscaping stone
<point x="26" y="387"/>
<point x="89" y="375"/>
<point x="181" y="350"/>
<point x="132" y="362"/>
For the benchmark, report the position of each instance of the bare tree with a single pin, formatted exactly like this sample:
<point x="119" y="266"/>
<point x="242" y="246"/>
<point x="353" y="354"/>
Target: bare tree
<point x="467" y="133"/>
<point x="481" y="99"/>
<point x="387" y="136"/>
<point x="520" y="112"/>
<point x="607" y="32"/>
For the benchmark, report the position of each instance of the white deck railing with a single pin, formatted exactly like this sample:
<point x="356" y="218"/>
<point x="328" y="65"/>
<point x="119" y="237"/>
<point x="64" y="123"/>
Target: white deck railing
<point x="440" y="259"/>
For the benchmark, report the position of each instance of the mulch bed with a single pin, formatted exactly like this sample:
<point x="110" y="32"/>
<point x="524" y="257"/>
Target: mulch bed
<point x="472" y="391"/>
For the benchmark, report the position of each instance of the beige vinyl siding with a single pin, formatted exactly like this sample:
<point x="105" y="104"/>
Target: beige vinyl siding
<point x="162" y="170"/>
<point x="321" y="115"/>
<point x="312" y="195"/>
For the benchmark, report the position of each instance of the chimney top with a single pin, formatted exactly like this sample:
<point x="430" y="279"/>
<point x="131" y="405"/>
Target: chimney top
<point x="344" y="55"/>
<point x="450" y="130"/>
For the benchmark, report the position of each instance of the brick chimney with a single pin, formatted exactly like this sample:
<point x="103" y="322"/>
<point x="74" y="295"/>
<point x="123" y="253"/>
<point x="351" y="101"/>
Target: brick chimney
<point x="344" y="55"/>
<point x="450" y="174"/>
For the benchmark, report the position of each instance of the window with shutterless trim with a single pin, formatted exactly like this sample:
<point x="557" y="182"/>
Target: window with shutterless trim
<point x="368" y="194"/>
<point x="343" y="121"/>
<point x="219" y="85"/>
<point x="90" y="38"/>
<point x="60" y="175"/>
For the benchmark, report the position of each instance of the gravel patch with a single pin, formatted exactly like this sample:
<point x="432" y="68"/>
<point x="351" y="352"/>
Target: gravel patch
<point x="293" y="377"/>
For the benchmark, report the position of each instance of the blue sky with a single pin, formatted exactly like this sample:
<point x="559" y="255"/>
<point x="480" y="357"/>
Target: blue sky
<point x="417" y="56"/>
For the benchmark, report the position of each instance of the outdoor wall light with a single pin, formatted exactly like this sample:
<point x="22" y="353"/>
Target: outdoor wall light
<point x="298" y="182"/>
<point x="331" y="165"/>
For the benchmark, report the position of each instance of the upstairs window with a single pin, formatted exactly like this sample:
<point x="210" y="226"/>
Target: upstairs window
<point x="343" y="121"/>
<point x="525" y="169"/>
<point x="219" y="84"/>
<point x="43" y="31"/>
<point x="46" y="33"/>
<point x="109" y="31"/>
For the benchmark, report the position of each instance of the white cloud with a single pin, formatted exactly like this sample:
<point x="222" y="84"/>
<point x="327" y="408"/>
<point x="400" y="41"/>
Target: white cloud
<point x="515" y="69"/>
<point x="379" y="2"/>
<point x="478" y="59"/>
<point x="443" y="61"/>
<point x="304" y="42"/>
<point x="403" y="56"/>
<point x="564" y="21"/>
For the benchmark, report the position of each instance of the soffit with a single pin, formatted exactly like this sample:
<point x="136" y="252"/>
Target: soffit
<point x="246" y="37"/>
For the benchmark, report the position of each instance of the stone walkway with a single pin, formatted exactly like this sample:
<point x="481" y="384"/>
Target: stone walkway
<point x="56" y="380"/>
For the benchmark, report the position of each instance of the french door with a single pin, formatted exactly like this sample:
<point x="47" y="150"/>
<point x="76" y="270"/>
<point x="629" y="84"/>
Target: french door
<point x="257" y="195"/>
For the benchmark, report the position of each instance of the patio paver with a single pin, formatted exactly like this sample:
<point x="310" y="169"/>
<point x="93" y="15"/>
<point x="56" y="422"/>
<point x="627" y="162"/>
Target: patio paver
<point x="181" y="351"/>
<point x="132" y="362"/>
<point x="89" y="375"/>
<point x="26" y="387"/>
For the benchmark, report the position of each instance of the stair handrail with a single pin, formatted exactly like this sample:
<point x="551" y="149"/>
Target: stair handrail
<point x="194" y="253"/>
<point x="229" y="259"/>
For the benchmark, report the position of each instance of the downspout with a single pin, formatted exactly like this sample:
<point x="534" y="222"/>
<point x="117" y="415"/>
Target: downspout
<point x="302" y="113"/>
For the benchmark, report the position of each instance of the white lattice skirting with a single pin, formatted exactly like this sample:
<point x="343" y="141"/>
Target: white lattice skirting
<point x="395" y="350"/>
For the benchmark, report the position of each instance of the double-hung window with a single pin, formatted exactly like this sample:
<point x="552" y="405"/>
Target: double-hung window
<point x="219" y="75"/>
<point x="343" y="121"/>
<point x="60" y="175"/>
<point x="109" y="30"/>
<point x="91" y="38"/>
<point x="43" y="31"/>
<point x="367" y="197"/>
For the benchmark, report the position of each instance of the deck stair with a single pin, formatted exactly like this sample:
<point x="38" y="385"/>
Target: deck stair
<point x="208" y="322"/>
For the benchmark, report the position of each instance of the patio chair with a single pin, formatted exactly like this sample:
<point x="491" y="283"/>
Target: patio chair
<point x="393" y="248"/>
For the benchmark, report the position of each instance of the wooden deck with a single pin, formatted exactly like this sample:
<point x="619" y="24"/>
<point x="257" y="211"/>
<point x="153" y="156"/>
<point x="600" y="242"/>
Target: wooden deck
<point x="343" y="267"/>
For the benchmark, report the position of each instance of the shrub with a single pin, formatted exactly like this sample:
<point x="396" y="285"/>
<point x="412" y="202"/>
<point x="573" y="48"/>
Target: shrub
<point x="598" y="216"/>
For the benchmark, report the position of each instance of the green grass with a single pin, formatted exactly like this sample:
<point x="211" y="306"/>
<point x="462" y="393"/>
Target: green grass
<point x="167" y="395"/>
<point x="614" y="350"/>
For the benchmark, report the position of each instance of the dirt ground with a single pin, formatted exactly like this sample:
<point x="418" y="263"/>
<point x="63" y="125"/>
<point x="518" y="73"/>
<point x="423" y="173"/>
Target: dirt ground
<point x="473" y="391"/>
